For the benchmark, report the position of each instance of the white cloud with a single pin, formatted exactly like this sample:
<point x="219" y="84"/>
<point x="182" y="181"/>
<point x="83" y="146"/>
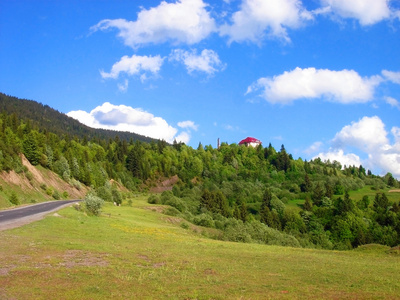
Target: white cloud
<point x="188" y="124"/>
<point x="367" y="12"/>
<point x="345" y="86"/>
<point x="393" y="102"/>
<point x="257" y="17"/>
<point x="135" y="65"/>
<point x="208" y="61"/>
<point x="313" y="148"/>
<point x="392" y="76"/>
<point x="349" y="159"/>
<point x="185" y="21"/>
<point x="369" y="136"/>
<point x="183" y="137"/>
<point x="123" y="87"/>
<point x="126" y="118"/>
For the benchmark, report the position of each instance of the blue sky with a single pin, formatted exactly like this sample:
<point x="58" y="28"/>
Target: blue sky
<point x="321" y="77"/>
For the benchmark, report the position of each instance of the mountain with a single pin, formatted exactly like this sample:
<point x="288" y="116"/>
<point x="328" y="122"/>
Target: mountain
<point x="49" y="119"/>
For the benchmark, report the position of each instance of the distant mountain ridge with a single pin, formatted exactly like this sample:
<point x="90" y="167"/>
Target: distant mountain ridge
<point x="47" y="118"/>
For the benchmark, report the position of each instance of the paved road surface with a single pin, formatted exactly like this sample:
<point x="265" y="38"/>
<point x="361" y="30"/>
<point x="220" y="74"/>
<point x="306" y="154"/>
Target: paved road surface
<point x="16" y="217"/>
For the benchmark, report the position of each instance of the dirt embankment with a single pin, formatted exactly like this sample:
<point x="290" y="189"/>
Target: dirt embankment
<point x="37" y="178"/>
<point x="164" y="184"/>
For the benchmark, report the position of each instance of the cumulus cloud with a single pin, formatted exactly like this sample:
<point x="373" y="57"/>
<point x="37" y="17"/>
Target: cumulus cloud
<point x="349" y="159"/>
<point x="345" y="86"/>
<point x="135" y="65"/>
<point x="367" y="12"/>
<point x="126" y="118"/>
<point x="189" y="125"/>
<point x="369" y="136"/>
<point x="207" y="61"/>
<point x="258" y="17"/>
<point x="313" y="148"/>
<point x="391" y="76"/>
<point x="185" y="21"/>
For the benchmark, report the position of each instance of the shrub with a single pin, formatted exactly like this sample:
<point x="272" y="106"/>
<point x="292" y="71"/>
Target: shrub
<point x="49" y="191"/>
<point x="204" y="220"/>
<point x="65" y="195"/>
<point x="166" y="195"/>
<point x="172" y="211"/>
<point x="185" y="225"/>
<point x="43" y="187"/>
<point x="104" y="193"/>
<point x="116" y="196"/>
<point x="56" y="195"/>
<point x="177" y="203"/>
<point x="29" y="175"/>
<point x="14" y="198"/>
<point x="153" y="199"/>
<point x="93" y="204"/>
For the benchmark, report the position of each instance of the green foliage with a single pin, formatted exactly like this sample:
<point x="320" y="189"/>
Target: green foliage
<point x="14" y="199"/>
<point x="308" y="200"/>
<point x="56" y="195"/>
<point x="154" y="199"/>
<point x="93" y="204"/>
<point x="104" y="193"/>
<point x="116" y="196"/>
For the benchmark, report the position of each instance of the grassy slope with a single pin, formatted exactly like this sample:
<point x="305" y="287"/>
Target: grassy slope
<point x="132" y="252"/>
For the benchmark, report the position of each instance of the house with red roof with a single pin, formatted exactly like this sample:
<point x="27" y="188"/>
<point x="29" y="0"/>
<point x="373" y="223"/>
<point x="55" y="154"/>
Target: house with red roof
<point x="250" y="141"/>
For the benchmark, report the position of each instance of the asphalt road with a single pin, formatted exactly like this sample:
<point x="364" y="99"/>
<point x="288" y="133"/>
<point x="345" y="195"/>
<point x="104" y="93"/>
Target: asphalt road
<point x="16" y="217"/>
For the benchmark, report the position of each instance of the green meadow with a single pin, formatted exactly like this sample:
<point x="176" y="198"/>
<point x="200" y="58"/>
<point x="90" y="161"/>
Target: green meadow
<point x="136" y="252"/>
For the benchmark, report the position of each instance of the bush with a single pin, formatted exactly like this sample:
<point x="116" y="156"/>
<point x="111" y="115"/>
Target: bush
<point x="65" y="195"/>
<point x="172" y="211"/>
<point x="56" y="195"/>
<point x="165" y="196"/>
<point x="116" y="196"/>
<point x="104" y="193"/>
<point x="153" y="199"/>
<point x="204" y="220"/>
<point x="185" y="225"/>
<point x="93" y="204"/>
<point x="177" y="203"/>
<point x="29" y="176"/>
<point x="14" y="198"/>
<point x="49" y="191"/>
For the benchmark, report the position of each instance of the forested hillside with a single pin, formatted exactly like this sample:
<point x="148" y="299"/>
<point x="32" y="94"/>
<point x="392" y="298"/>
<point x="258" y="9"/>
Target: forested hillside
<point x="49" y="119"/>
<point x="247" y="194"/>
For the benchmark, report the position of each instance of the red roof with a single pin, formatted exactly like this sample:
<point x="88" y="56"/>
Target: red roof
<point x="249" y="140"/>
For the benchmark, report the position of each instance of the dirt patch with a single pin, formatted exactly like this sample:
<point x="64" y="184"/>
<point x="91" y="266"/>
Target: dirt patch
<point x="159" y="209"/>
<point x="78" y="258"/>
<point x="173" y="220"/>
<point x="144" y="257"/>
<point x="209" y="272"/>
<point x="159" y="265"/>
<point x="394" y="191"/>
<point x="164" y="184"/>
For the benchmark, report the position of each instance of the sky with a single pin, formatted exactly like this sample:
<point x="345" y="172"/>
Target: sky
<point x="321" y="77"/>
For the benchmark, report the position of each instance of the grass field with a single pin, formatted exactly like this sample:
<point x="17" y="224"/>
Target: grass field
<point x="138" y="253"/>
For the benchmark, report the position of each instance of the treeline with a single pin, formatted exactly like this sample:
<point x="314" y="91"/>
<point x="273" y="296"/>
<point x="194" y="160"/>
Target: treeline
<point x="49" y="119"/>
<point x="249" y="194"/>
